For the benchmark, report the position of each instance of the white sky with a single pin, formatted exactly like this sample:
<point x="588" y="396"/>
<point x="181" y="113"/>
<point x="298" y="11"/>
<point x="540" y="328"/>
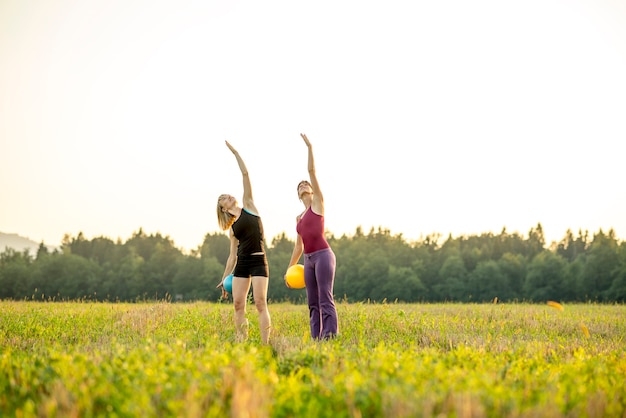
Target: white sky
<point x="458" y="117"/>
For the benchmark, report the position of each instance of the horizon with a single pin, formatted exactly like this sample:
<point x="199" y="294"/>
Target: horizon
<point x="441" y="240"/>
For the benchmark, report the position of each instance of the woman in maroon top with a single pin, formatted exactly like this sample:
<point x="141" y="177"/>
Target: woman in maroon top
<point x="247" y="260"/>
<point x="319" y="258"/>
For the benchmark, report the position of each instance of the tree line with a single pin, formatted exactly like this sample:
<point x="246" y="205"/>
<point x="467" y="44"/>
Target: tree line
<point x="375" y="266"/>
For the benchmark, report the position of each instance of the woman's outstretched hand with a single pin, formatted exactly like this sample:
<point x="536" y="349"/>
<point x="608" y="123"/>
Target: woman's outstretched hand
<point x="306" y="140"/>
<point x="231" y="148"/>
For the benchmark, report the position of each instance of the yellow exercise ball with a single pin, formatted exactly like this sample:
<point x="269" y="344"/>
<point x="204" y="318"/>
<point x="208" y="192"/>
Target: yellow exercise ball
<point x="295" y="277"/>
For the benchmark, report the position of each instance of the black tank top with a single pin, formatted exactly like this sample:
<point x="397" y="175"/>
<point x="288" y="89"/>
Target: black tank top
<point x="248" y="229"/>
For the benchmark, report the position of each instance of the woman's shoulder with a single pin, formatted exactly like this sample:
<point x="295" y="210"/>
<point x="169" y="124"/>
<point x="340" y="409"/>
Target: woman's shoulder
<point x="251" y="212"/>
<point x="317" y="208"/>
<point x="301" y="215"/>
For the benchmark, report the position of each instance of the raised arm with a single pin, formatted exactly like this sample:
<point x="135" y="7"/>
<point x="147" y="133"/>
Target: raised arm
<point x="318" y="197"/>
<point x="248" y="201"/>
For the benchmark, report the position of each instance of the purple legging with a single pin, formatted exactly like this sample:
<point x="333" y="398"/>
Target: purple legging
<point x="319" y="277"/>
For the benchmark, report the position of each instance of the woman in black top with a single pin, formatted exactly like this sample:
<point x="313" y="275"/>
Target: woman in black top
<point x="247" y="260"/>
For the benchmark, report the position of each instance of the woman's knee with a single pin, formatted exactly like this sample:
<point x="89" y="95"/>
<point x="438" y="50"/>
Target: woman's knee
<point x="240" y="305"/>
<point x="260" y="304"/>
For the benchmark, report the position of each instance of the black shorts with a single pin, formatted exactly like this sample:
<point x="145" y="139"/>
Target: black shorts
<point x="251" y="265"/>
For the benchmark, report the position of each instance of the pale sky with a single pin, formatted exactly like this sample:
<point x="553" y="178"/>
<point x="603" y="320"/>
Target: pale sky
<point x="452" y="117"/>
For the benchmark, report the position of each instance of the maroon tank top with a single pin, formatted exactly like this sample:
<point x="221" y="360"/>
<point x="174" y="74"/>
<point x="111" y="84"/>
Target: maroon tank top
<point x="311" y="229"/>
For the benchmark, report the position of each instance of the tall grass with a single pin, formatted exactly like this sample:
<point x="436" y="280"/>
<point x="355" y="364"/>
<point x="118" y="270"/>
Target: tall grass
<point x="73" y="359"/>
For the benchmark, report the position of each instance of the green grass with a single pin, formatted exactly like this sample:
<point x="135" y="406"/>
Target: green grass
<point x="73" y="359"/>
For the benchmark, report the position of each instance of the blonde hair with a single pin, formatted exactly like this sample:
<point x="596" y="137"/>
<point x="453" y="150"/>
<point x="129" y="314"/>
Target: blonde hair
<point x="224" y="218"/>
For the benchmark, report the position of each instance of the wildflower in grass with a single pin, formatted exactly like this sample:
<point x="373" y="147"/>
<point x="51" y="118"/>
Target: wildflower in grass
<point x="585" y="330"/>
<point x="555" y="305"/>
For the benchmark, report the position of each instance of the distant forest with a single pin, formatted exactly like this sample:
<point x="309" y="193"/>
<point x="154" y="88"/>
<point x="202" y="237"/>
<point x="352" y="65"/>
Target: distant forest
<point x="375" y="266"/>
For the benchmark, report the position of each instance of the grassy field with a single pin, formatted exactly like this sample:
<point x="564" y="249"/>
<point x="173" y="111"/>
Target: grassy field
<point x="391" y="360"/>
